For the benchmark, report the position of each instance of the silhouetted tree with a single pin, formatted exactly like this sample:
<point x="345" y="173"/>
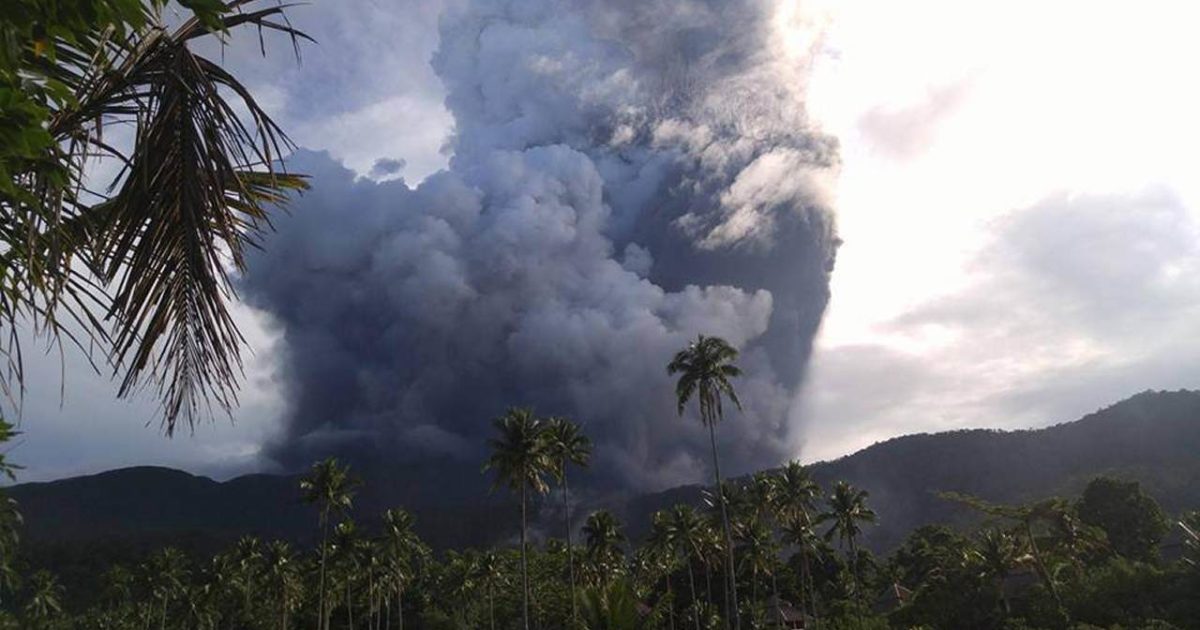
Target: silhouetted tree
<point x="521" y="462"/>
<point x="706" y="370"/>
<point x="566" y="444"/>
<point x="847" y="509"/>
<point x="1131" y="519"/>
<point x="604" y="540"/>
<point x="331" y="488"/>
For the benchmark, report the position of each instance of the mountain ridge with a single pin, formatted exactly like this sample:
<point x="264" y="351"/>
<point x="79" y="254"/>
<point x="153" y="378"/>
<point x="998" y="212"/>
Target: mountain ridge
<point x="1153" y="437"/>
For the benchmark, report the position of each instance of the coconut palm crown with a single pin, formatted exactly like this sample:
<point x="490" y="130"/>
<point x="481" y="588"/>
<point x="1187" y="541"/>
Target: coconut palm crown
<point x="705" y="368"/>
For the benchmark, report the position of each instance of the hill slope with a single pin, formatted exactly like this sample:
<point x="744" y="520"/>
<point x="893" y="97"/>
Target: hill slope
<point x="1153" y="437"/>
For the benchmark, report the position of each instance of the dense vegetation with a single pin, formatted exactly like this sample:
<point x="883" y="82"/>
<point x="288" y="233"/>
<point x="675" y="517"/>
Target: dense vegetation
<point x="1092" y="562"/>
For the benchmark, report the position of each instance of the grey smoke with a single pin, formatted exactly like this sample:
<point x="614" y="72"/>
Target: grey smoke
<point x="386" y="167"/>
<point x="625" y="174"/>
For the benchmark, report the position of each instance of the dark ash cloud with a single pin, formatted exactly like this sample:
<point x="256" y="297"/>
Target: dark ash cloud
<point x="625" y="175"/>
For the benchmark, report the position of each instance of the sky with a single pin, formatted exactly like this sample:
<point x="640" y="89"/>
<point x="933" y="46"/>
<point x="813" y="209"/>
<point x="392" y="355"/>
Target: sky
<point x="1014" y="197"/>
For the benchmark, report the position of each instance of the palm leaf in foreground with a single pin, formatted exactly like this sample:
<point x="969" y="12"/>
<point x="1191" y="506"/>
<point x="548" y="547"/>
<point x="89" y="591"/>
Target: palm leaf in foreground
<point x="143" y="267"/>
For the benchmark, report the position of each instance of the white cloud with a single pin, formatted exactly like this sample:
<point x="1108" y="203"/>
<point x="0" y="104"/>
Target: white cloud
<point x="1020" y="249"/>
<point x="1076" y="302"/>
<point x="72" y="423"/>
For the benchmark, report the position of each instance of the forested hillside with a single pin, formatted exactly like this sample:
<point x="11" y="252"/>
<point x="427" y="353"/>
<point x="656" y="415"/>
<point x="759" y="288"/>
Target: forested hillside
<point x="1153" y="437"/>
<point x="79" y="529"/>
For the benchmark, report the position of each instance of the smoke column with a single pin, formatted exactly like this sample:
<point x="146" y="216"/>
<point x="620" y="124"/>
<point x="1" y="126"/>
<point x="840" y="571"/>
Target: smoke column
<point x="625" y="174"/>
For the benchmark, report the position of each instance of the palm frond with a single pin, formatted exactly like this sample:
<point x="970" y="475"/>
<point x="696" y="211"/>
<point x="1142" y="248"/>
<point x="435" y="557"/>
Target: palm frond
<point x="142" y="268"/>
<point x="194" y="195"/>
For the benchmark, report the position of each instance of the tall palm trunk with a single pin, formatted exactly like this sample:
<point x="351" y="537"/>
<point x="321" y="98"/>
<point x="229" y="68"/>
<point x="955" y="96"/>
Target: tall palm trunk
<point x="858" y="594"/>
<point x="524" y="565"/>
<point x="670" y="602"/>
<point x="400" y="607"/>
<point x="708" y="581"/>
<point x="854" y="570"/>
<point x="1047" y="579"/>
<point x="570" y="549"/>
<point x="754" y="588"/>
<point x="806" y="587"/>
<point x="692" y="587"/>
<point x="491" y="607"/>
<point x="349" y="607"/>
<point x="322" y="617"/>
<point x="775" y="594"/>
<point x="372" y="613"/>
<point x="731" y="600"/>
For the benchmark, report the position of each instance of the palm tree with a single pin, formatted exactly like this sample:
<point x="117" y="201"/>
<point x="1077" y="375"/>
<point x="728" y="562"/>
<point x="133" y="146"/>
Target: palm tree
<point x="118" y="585"/>
<point x="658" y="558"/>
<point x="712" y="553"/>
<point x="800" y="534"/>
<point x="458" y="583"/>
<point x="403" y="548"/>
<point x="566" y="444"/>
<point x="761" y="495"/>
<point x="247" y="571"/>
<point x="1027" y="516"/>
<point x="758" y="553"/>
<point x="603" y="537"/>
<point x="344" y="554"/>
<point x="848" y="508"/>
<point x="795" y="498"/>
<point x="167" y="572"/>
<point x="10" y="516"/>
<point x="705" y="368"/>
<point x="141" y="268"/>
<point x="520" y="461"/>
<point x="329" y="486"/>
<point x="795" y="493"/>
<point x="612" y="608"/>
<point x="995" y="554"/>
<point x="203" y="604"/>
<point x="1189" y="523"/>
<point x="488" y="574"/>
<point x="684" y="532"/>
<point x="45" y="600"/>
<point x="371" y="553"/>
<point x="283" y="576"/>
<point x="10" y="536"/>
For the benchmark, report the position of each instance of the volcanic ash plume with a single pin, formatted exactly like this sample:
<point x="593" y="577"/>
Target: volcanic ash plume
<point x="626" y="174"/>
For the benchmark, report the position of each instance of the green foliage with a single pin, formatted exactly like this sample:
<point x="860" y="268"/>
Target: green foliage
<point x="611" y="607"/>
<point x="10" y="517"/>
<point x="1189" y="523"/>
<point x="604" y="556"/>
<point x="705" y="368"/>
<point x="520" y="457"/>
<point x="137" y="268"/>
<point x="1131" y="519"/>
<point x="938" y="579"/>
